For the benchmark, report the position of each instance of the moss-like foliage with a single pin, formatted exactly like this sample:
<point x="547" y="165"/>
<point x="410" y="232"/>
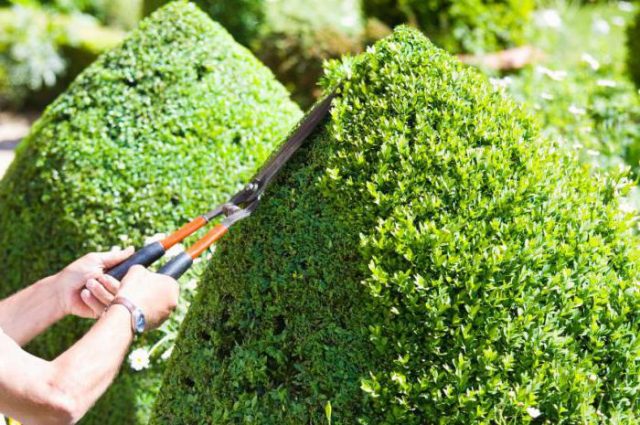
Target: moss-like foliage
<point x="293" y="37"/>
<point x="425" y="258"/>
<point x="633" y="50"/>
<point x="154" y="133"/>
<point x="471" y="26"/>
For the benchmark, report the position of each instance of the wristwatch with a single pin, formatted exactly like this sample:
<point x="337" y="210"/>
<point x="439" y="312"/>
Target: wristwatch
<point x="138" y="322"/>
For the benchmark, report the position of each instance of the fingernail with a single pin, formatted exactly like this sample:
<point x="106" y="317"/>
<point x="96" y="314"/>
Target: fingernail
<point x="91" y="283"/>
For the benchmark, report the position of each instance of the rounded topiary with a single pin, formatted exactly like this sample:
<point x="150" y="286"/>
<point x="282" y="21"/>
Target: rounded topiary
<point x="426" y="257"/>
<point x="154" y="133"/>
<point x="633" y="50"/>
<point x="292" y="37"/>
<point x="460" y="26"/>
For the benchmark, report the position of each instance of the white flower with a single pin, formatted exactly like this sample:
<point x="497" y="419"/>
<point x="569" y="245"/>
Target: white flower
<point x="123" y="238"/>
<point x="600" y="26"/>
<point x="625" y="6"/>
<point x="533" y="412"/>
<point x="139" y="359"/>
<point x="618" y="21"/>
<point x="576" y="110"/>
<point x="592" y="152"/>
<point x="154" y="238"/>
<point x="558" y="75"/>
<point x="501" y="83"/>
<point x="548" y="18"/>
<point x="591" y="61"/>
<point x="606" y="83"/>
<point x="546" y="96"/>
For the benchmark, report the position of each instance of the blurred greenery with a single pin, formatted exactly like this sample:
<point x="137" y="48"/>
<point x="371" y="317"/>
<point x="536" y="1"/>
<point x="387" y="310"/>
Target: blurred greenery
<point x="580" y="92"/>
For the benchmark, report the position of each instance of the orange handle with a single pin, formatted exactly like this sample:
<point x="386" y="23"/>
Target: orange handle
<point x="207" y="240"/>
<point x="183" y="232"/>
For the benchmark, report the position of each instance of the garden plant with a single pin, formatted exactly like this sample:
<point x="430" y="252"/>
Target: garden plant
<point x="461" y="26"/>
<point x="152" y="134"/>
<point x="427" y="254"/>
<point x="293" y="37"/>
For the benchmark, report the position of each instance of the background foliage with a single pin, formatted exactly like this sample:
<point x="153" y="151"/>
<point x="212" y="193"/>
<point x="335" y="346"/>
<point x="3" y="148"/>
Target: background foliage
<point x="292" y="37"/>
<point x="151" y="135"/>
<point x="473" y="26"/>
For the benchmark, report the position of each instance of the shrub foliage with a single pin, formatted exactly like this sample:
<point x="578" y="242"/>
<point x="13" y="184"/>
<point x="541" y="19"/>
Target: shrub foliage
<point x="152" y="134"/>
<point x="293" y="37"/>
<point x="427" y="257"/>
<point x="473" y="26"/>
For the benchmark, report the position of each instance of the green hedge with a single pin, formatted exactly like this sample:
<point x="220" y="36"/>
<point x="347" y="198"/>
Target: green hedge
<point x="427" y="257"/>
<point x="154" y="133"/>
<point x="633" y="52"/>
<point x="460" y="26"/>
<point x="293" y="37"/>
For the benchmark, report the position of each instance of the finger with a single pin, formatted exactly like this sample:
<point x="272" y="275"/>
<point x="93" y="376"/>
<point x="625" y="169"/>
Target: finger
<point x="110" y="283"/>
<point x="113" y="258"/>
<point x="96" y="306"/>
<point x="99" y="292"/>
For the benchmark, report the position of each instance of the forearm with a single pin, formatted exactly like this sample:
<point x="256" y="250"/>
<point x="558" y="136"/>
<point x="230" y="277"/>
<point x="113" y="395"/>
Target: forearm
<point x="85" y="371"/>
<point x="61" y="391"/>
<point x="27" y="313"/>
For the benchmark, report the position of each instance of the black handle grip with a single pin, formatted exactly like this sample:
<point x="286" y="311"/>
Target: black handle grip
<point x="144" y="257"/>
<point x="177" y="266"/>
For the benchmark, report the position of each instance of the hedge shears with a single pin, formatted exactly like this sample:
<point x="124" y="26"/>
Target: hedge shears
<point x="238" y="207"/>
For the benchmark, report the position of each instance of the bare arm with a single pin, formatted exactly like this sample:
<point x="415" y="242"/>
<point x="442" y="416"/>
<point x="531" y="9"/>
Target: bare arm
<point x="27" y="313"/>
<point x="61" y="391"/>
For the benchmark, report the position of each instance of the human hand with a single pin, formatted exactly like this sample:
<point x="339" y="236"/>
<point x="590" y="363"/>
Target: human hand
<point x="89" y="270"/>
<point x="155" y="294"/>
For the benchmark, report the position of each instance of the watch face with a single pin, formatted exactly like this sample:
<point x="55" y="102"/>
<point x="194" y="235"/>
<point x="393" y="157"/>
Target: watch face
<point x="139" y="321"/>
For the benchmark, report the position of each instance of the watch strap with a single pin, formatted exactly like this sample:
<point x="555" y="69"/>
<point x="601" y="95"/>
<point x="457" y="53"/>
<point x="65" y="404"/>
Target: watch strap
<point x="129" y="306"/>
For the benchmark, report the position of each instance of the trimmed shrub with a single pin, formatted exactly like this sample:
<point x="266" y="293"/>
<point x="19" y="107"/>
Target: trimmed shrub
<point x="460" y="26"/>
<point x="426" y="257"/>
<point x="293" y="37"/>
<point x="153" y="133"/>
<point x="633" y="50"/>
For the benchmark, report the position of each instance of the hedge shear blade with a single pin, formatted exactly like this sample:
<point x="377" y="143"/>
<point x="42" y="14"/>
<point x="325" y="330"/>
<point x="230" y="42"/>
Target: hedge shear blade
<point x="238" y="207"/>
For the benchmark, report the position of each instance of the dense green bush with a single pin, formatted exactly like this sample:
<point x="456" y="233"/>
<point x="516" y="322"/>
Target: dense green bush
<point x="427" y="257"/>
<point x="152" y="134"/>
<point x="633" y="53"/>
<point x="293" y="37"/>
<point x="473" y="26"/>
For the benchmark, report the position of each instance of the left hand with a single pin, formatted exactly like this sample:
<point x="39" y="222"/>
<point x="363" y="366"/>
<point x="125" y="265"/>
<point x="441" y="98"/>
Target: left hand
<point x="88" y="269"/>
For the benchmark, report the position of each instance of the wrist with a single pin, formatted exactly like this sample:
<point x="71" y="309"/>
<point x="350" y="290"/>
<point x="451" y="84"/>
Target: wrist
<point x="120" y="313"/>
<point x="50" y="290"/>
<point x="138" y="320"/>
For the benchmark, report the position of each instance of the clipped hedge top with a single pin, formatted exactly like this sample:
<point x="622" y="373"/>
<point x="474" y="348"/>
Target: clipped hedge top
<point x="155" y="132"/>
<point x="426" y="255"/>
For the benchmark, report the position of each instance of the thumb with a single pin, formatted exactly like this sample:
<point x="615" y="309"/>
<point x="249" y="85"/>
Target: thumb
<point x="113" y="258"/>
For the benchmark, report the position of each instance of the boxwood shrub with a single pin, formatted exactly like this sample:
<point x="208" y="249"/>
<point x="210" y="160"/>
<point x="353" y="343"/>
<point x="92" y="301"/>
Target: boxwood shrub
<point x="293" y="37"/>
<point x="152" y="134"/>
<point x="469" y="26"/>
<point x="633" y="49"/>
<point x="426" y="257"/>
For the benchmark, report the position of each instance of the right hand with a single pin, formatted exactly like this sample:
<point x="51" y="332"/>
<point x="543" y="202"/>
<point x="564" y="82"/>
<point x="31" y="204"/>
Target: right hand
<point x="155" y="294"/>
